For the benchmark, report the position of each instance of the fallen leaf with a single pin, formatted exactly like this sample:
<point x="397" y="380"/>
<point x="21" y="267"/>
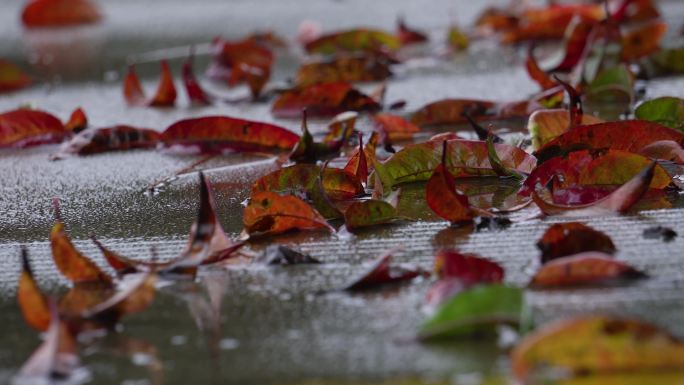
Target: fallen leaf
<point x="270" y="213"/>
<point x="407" y="35"/>
<point x="135" y="296"/>
<point x="451" y="111"/>
<point x="135" y="95"/>
<point x="416" y="162"/>
<point x="563" y="239"/>
<point x="322" y="100"/>
<point x="283" y="255"/>
<point x="381" y="272"/>
<point x="122" y="265"/>
<point x="457" y="39"/>
<point x="216" y="133"/>
<point x="346" y="68"/>
<point x="550" y="22"/>
<point x="55" y="359"/>
<point x="546" y="125"/>
<point x="496" y="163"/>
<point x="660" y="232"/>
<point x="358" y="164"/>
<point x="537" y="74"/>
<point x="619" y="201"/>
<point x="393" y="127"/>
<point x="78" y="121"/>
<point x="12" y="78"/>
<point x="475" y="311"/>
<point x="664" y="62"/>
<point x="59" y="13"/>
<point x="589" y="268"/>
<point x="594" y="168"/>
<point x="248" y="60"/>
<point x="643" y="40"/>
<point x="76" y="267"/>
<point x="107" y="139"/>
<point x="667" y="110"/>
<point x="667" y="150"/>
<point x="596" y="345"/>
<point x="24" y="128"/>
<point x="471" y="269"/>
<point x="627" y="135"/>
<point x="368" y="213"/>
<point x="355" y="40"/>
<point x="32" y="302"/>
<point x="611" y="93"/>
<point x="575" y="42"/>
<point x="443" y="197"/>
<point x="196" y="94"/>
<point x="307" y="150"/>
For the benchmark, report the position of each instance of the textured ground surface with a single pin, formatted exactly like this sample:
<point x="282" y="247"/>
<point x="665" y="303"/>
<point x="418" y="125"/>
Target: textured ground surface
<point x="272" y="328"/>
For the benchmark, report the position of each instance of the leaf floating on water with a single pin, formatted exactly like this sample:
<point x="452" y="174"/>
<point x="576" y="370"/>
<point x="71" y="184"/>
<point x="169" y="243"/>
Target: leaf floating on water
<point x="563" y="239"/>
<point x="589" y="268"/>
<point x="78" y="121"/>
<point x="381" y="272"/>
<point x="71" y="263"/>
<point x="116" y="138"/>
<point x="32" y="302"/>
<point x="474" y="312"/>
<point x="55" y="359"/>
<point x="135" y="95"/>
<point x="321" y="100"/>
<point x="597" y="345"/>
<point x="537" y="74"/>
<point x="24" y="128"/>
<point x="619" y="201"/>
<point x="216" y="133"/>
<point x="627" y="135"/>
<point x="270" y="213"/>
<point x="59" y="13"/>
<point x="12" y="78"/>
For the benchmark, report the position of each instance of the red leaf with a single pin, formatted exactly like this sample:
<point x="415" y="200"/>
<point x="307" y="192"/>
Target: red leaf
<point x="576" y="37"/>
<point x="270" y="213"/>
<point x="443" y="197"/>
<point x="575" y="106"/>
<point x="12" y="78"/>
<point x="468" y="268"/>
<point x="627" y="135"/>
<point x="450" y="111"/>
<point x="358" y="164"/>
<point x="536" y="73"/>
<point x="58" y="13"/>
<point x="71" y="263"/>
<point x="117" y="138"/>
<point x="563" y="239"/>
<point x="345" y="68"/>
<point x="408" y="36"/>
<point x="31" y="300"/>
<point x="215" y="133"/>
<point x="393" y="127"/>
<point x="322" y="100"/>
<point x="381" y="272"/>
<point x="135" y="296"/>
<point x="195" y="92"/>
<point x="591" y="168"/>
<point x="23" y="128"/>
<point x="619" y="201"/>
<point x="590" y="268"/>
<point x="550" y="22"/>
<point x="164" y="97"/>
<point x="247" y="60"/>
<point x="78" y="121"/>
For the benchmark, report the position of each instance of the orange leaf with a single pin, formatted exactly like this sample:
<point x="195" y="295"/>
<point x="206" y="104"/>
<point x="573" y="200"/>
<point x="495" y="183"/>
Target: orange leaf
<point x="536" y="73"/>
<point x="32" y="301"/>
<point x="23" y="128"/>
<point x="215" y="133"/>
<point x="166" y="91"/>
<point x="58" y="13"/>
<point x="626" y="135"/>
<point x="78" y="121"/>
<point x="564" y="239"/>
<point x="12" y="78"/>
<point x="588" y="268"/>
<point x="450" y="111"/>
<point x="619" y="201"/>
<point x="393" y="127"/>
<point x="270" y="213"/>
<point x="73" y="265"/>
<point x="643" y="41"/>
<point x="135" y="296"/>
<point x="322" y="100"/>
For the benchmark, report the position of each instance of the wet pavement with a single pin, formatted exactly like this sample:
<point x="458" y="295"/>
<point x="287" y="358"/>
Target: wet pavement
<point x="256" y="324"/>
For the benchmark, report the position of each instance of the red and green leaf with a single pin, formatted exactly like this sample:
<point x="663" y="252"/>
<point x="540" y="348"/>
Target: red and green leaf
<point x="367" y="213"/>
<point x="358" y="163"/>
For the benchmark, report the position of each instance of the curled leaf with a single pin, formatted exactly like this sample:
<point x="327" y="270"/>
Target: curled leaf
<point x="597" y="345"/>
<point x="381" y="272"/>
<point x="407" y="35"/>
<point x="32" y="302"/>
<point x="583" y="269"/>
<point x="495" y="161"/>
<point x="475" y="311"/>
<point x="270" y="213"/>
<point x="59" y="13"/>
<point x="393" y="127"/>
<point x="322" y="100"/>
<point x="78" y="121"/>
<point x="562" y="239"/>
<point x="309" y="151"/>
<point x="358" y="164"/>
<point x="536" y="73"/>
<point x="192" y="87"/>
<point x="23" y="128"/>
<point x="369" y="213"/>
<point x="545" y="125"/>
<point x="627" y="135"/>
<point x="135" y="296"/>
<point x="215" y="133"/>
<point x="116" y="138"/>
<point x="135" y="95"/>
<point x="12" y="78"/>
<point x="248" y="60"/>
<point x="443" y="197"/>
<point x="619" y="201"/>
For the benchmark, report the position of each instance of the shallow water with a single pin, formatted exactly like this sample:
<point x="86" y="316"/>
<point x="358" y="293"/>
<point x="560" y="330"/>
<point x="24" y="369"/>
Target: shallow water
<point x="257" y="324"/>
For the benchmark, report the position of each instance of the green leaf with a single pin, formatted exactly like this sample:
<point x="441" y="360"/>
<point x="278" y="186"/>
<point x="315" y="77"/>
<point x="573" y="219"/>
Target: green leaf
<point x="368" y="213"/>
<point x="611" y="93"/>
<point x="668" y="111"/>
<point x="474" y="311"/>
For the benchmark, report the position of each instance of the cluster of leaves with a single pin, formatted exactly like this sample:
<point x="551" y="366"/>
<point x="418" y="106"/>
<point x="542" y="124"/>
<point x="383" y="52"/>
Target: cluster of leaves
<point x="575" y="164"/>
